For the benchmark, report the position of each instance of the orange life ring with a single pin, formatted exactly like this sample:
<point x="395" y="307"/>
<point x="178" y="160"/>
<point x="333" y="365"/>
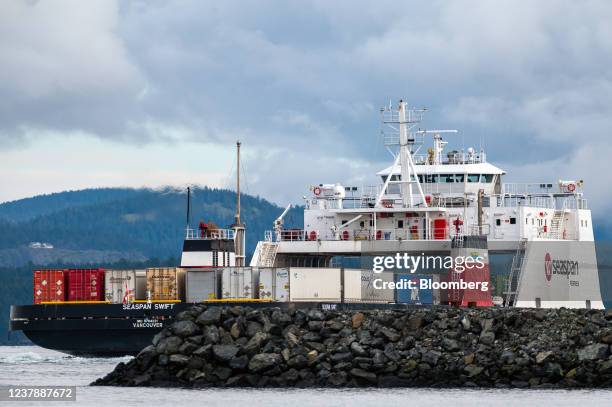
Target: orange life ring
<point x="571" y="187"/>
<point x="316" y="191"/>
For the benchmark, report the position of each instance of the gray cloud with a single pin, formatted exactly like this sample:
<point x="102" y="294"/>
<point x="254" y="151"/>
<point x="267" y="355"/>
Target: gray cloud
<point x="301" y="83"/>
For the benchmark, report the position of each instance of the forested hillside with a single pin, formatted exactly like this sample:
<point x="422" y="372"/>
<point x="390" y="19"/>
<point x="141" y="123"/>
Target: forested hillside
<point x="107" y="225"/>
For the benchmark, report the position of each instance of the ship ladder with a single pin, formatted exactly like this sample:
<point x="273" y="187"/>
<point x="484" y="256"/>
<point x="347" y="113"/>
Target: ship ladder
<point x="514" y="279"/>
<point x="556" y="225"/>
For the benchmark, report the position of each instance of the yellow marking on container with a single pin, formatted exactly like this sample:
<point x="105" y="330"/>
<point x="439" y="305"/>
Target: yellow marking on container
<point x="157" y="301"/>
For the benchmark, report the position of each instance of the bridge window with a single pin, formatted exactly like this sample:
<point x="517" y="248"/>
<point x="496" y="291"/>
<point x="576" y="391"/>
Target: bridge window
<point x="473" y="177"/>
<point x="431" y="178"/>
<point x="447" y="178"/>
<point x="513" y="221"/>
<point x="400" y="224"/>
<point x="486" y="178"/>
<point x="459" y="177"/>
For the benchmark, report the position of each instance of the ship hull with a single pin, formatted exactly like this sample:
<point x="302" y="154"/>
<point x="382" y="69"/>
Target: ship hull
<point x="105" y="330"/>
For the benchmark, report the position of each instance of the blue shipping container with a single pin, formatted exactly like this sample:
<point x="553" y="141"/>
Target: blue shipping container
<point x="416" y="295"/>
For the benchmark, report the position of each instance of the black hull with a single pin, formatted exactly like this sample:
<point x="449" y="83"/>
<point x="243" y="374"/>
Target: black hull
<point x="103" y="330"/>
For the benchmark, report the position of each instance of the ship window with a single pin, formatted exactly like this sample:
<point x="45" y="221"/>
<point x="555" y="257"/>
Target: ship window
<point x="400" y="224"/>
<point x="526" y="221"/>
<point x="361" y="224"/>
<point x="513" y="221"/>
<point x="447" y="178"/>
<point x="586" y="223"/>
<point x="486" y="178"/>
<point x="371" y="223"/>
<point x="473" y="177"/>
<point x="431" y="178"/>
<point x="459" y="177"/>
<point x="420" y="179"/>
<point x="344" y="221"/>
<point x="498" y="222"/>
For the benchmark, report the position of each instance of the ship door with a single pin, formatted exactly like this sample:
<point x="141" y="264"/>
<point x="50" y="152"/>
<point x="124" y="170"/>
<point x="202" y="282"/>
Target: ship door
<point x="497" y="227"/>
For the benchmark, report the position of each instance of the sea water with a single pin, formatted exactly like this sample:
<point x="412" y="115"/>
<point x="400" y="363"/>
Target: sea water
<point x="32" y="365"/>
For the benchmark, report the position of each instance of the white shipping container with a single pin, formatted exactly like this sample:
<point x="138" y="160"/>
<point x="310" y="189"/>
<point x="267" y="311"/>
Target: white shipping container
<point x="314" y="284"/>
<point x="201" y="284"/>
<point x="274" y="284"/>
<point x="239" y="282"/>
<point x="121" y="286"/>
<point x="352" y="285"/>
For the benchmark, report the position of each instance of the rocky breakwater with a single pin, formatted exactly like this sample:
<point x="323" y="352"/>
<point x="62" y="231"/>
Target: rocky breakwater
<point x="437" y="347"/>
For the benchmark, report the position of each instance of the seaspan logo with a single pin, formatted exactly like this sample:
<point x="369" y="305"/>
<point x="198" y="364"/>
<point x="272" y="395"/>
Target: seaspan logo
<point x="565" y="268"/>
<point x="547" y="267"/>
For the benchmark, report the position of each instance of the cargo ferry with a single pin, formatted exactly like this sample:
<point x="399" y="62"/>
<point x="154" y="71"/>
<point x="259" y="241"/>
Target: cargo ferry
<point x="428" y="203"/>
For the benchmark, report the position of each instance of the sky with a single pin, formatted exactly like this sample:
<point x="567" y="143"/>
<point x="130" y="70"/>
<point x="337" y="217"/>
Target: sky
<point x="153" y="93"/>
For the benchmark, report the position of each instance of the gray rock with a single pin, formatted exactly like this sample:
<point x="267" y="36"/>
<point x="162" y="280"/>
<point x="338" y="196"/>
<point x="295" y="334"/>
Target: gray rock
<point x="211" y="334"/>
<point x="211" y="316"/>
<point x="185" y="328"/>
<point x="169" y="345"/>
<point x="263" y="361"/>
<point x="364" y="375"/>
<point x="450" y="345"/>
<point x="473" y="370"/>
<point x="224" y="353"/>
<point x="487" y="338"/>
<point x="178" y="359"/>
<point x="256" y="342"/>
<point x="358" y="350"/>
<point x="593" y="352"/>
<point x="239" y="362"/>
<point x="316" y="315"/>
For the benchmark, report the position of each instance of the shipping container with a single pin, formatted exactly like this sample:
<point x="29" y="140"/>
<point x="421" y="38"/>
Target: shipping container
<point x="123" y="286"/>
<point x="85" y="284"/>
<point x="417" y="294"/>
<point x="50" y="286"/>
<point x="314" y="284"/>
<point x="239" y="282"/>
<point x="352" y="285"/>
<point x="165" y="284"/>
<point x="202" y="284"/>
<point x="374" y="288"/>
<point x="274" y="284"/>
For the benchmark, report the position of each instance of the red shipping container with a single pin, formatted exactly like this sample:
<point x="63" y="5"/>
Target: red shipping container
<point x="49" y="286"/>
<point x="85" y="284"/>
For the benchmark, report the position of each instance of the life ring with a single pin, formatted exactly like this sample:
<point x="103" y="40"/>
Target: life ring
<point x="317" y="191"/>
<point x="571" y="187"/>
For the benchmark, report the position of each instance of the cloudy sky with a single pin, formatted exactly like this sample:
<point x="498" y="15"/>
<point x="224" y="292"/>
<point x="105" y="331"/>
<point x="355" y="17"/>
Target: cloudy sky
<point x="150" y="93"/>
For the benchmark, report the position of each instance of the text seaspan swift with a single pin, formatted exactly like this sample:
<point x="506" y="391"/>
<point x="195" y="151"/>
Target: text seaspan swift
<point x="431" y="201"/>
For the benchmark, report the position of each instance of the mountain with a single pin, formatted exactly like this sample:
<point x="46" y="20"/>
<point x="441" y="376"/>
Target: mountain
<point x="107" y="225"/>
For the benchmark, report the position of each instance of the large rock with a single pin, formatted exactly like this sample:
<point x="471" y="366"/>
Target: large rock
<point x="169" y="345"/>
<point x="264" y="361"/>
<point x="593" y="352"/>
<point x="185" y="328"/>
<point x="211" y="316"/>
<point x="225" y="353"/>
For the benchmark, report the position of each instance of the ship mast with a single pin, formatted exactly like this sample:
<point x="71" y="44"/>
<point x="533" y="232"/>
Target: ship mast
<point x="239" y="229"/>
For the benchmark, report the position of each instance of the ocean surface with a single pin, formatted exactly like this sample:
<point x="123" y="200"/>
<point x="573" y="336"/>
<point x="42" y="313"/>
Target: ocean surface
<point x="31" y="365"/>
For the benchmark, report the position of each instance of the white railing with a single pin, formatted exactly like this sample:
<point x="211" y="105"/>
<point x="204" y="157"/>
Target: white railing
<point x="209" y="234"/>
<point x="411" y="233"/>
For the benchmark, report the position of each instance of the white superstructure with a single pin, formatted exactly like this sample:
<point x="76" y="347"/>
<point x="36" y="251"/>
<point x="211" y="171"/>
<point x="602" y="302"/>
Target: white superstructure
<point x="428" y="198"/>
